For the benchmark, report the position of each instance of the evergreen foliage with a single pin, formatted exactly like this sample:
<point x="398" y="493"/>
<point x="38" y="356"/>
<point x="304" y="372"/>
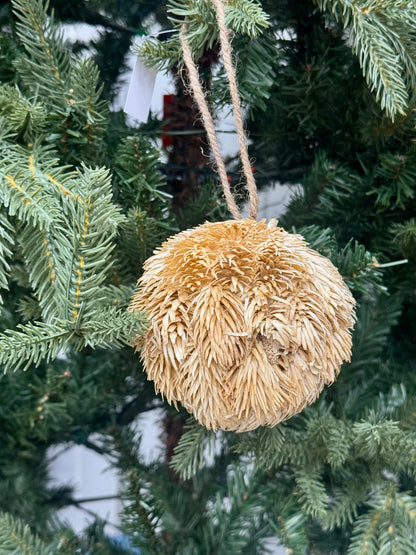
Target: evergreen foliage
<point x="330" y="91"/>
<point x="381" y="35"/>
<point x="256" y="50"/>
<point x="17" y="538"/>
<point x="245" y="17"/>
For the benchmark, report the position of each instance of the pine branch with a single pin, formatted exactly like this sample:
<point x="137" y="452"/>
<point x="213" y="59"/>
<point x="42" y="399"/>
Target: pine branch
<point x="343" y="506"/>
<point x="39" y="341"/>
<point x="379" y="35"/>
<point x="365" y="534"/>
<point x="44" y="253"/>
<point x="291" y="529"/>
<point x="118" y="296"/>
<point x="397" y="174"/>
<point x="139" y="185"/>
<point x="93" y="224"/>
<point x="138" y="177"/>
<point x="159" y="55"/>
<point x="318" y="238"/>
<point x="373" y="320"/>
<point x="29" y="308"/>
<point x="337" y="440"/>
<point x="23" y="194"/>
<point x="112" y="328"/>
<point x="140" y="236"/>
<point x="69" y="88"/>
<point x="373" y="436"/>
<point x="69" y="251"/>
<point x="193" y="448"/>
<point x="311" y="492"/>
<point x="405" y="237"/>
<point x="23" y="116"/>
<point x="263" y="444"/>
<point x="16" y="538"/>
<point x="245" y="17"/>
<point x="359" y="268"/>
<point x="256" y="75"/>
<point x="48" y="61"/>
<point x="388" y="528"/>
<point x="87" y="110"/>
<point x="31" y="344"/>
<point x="238" y="520"/>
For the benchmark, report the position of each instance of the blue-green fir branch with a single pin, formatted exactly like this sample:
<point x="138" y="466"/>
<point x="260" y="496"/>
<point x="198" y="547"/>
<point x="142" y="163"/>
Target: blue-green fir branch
<point x="32" y="343"/>
<point x="404" y="237"/>
<point x="23" y="192"/>
<point x="256" y="75"/>
<point x="16" y="538"/>
<point x="46" y="254"/>
<point x="55" y="253"/>
<point x="237" y="520"/>
<point x="25" y="117"/>
<point x="88" y="111"/>
<point x="395" y="177"/>
<point x="35" y="342"/>
<point x="373" y="320"/>
<point x="244" y="17"/>
<point x="389" y="526"/>
<point x="379" y="34"/>
<point x="48" y="60"/>
<point x="311" y="492"/>
<point x="194" y="446"/>
<point x="93" y="224"/>
<point x="113" y="328"/>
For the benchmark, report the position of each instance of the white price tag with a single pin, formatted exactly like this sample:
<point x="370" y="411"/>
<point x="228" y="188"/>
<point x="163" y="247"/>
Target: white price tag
<point x="140" y="92"/>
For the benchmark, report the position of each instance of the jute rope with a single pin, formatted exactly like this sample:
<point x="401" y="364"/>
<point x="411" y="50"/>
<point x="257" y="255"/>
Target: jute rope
<point x="208" y="121"/>
<point x="199" y="96"/>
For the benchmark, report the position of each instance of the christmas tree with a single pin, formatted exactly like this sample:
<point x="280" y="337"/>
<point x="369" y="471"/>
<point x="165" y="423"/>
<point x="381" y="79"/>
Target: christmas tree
<point x="329" y="92"/>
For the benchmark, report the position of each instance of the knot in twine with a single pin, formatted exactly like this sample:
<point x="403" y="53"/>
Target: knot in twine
<point x="247" y="323"/>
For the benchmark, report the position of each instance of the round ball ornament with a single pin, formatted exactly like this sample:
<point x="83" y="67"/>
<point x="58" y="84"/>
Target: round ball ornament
<point x="246" y="323"/>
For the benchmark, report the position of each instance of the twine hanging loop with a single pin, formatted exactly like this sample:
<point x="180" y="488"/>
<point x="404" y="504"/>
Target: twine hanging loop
<point x="198" y="93"/>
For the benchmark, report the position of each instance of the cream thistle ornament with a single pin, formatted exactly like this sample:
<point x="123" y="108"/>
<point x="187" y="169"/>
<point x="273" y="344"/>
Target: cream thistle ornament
<point x="246" y="322"/>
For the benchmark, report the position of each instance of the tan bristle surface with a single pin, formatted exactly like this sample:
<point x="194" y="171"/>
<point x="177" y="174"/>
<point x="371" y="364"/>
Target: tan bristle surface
<point x="246" y="323"/>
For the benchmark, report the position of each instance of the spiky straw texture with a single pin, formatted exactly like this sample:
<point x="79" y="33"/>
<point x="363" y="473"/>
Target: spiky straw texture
<point x="247" y="323"/>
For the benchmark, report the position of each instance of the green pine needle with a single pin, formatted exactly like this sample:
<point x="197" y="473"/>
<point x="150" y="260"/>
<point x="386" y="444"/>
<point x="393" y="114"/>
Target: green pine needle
<point x="192" y="450"/>
<point x="380" y="34"/>
<point x="31" y="344"/>
<point x="244" y="17"/>
<point x="311" y="492"/>
<point x="17" y="539"/>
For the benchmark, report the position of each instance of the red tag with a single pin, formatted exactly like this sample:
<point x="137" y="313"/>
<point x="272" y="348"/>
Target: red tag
<point x="167" y="113"/>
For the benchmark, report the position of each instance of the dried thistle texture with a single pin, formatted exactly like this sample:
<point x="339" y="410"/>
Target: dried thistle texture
<point x="247" y="323"/>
